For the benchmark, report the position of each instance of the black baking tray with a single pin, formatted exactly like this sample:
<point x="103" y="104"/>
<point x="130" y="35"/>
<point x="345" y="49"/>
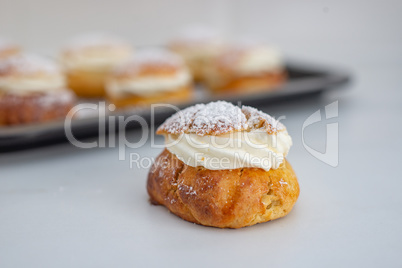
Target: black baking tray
<point x="304" y="79"/>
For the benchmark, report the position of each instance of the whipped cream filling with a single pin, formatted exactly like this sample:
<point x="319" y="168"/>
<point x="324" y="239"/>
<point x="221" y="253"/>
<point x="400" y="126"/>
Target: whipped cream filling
<point x="148" y="85"/>
<point x="26" y="85"/>
<point x="259" y="60"/>
<point x="242" y="149"/>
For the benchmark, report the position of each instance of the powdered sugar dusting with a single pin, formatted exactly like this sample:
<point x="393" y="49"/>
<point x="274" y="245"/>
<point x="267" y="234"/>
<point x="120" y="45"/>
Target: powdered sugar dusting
<point x="28" y="64"/>
<point x="151" y="57"/>
<point x="217" y="118"/>
<point x="62" y="97"/>
<point x="259" y="120"/>
<point x="181" y="121"/>
<point x="214" y="118"/>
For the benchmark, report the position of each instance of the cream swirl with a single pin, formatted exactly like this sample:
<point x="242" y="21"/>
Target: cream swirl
<point x="234" y="150"/>
<point x="26" y="85"/>
<point x="262" y="59"/>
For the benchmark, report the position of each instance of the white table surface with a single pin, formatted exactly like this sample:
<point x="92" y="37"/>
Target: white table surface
<point x="61" y="206"/>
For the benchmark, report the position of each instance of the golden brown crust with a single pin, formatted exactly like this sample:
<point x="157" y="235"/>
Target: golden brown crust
<point x="178" y="96"/>
<point x="35" y="107"/>
<point x="247" y="84"/>
<point x="89" y="60"/>
<point x="222" y="198"/>
<point x="86" y="83"/>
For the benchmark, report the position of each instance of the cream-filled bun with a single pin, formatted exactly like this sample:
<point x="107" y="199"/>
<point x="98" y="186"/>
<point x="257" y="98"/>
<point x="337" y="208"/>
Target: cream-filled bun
<point x="224" y="166"/>
<point x="8" y="48"/>
<point x="28" y="73"/>
<point x="246" y="66"/>
<point x="150" y="76"/>
<point x="198" y="46"/>
<point x="224" y="136"/>
<point x="32" y="89"/>
<point x="89" y="59"/>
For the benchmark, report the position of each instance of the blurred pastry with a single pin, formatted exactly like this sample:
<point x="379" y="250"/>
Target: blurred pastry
<point x="89" y="59"/>
<point x="32" y="90"/>
<point x="224" y="166"/>
<point x="151" y="76"/>
<point x="8" y="48"/>
<point x="198" y="46"/>
<point x="246" y="67"/>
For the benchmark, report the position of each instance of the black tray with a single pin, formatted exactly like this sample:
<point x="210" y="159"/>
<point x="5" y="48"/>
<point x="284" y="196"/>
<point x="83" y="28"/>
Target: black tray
<point x="303" y="79"/>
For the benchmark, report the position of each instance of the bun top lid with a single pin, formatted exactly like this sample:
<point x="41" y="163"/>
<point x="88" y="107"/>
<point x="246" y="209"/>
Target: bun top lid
<point x="218" y="118"/>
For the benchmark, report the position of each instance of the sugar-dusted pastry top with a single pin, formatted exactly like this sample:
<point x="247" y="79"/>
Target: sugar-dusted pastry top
<point x="248" y="58"/>
<point x="197" y="44"/>
<point x="218" y="118"/>
<point x="95" y="51"/>
<point x="94" y="41"/>
<point x="28" y="64"/>
<point x="150" y="61"/>
<point x="149" y="72"/>
<point x="26" y="73"/>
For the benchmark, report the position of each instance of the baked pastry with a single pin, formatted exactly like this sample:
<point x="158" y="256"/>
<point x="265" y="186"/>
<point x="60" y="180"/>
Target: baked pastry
<point x="224" y="166"/>
<point x="246" y="67"/>
<point x="151" y="76"/>
<point x="198" y="46"/>
<point x="8" y="49"/>
<point x="32" y="90"/>
<point x="88" y="61"/>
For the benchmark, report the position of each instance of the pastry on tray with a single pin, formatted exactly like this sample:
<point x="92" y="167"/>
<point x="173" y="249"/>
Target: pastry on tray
<point x="32" y="90"/>
<point x="246" y="67"/>
<point x="8" y="48"/>
<point x="198" y="46"/>
<point x="89" y="59"/>
<point x="150" y="76"/>
<point x="224" y="166"/>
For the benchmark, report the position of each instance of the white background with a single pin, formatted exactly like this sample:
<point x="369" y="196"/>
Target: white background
<point x="61" y="206"/>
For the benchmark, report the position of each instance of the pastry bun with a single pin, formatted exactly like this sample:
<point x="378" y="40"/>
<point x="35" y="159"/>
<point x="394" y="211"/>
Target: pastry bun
<point x="246" y="67"/>
<point x="198" y="46"/>
<point x="198" y="176"/>
<point x="89" y="59"/>
<point x="32" y="90"/>
<point x="150" y="76"/>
